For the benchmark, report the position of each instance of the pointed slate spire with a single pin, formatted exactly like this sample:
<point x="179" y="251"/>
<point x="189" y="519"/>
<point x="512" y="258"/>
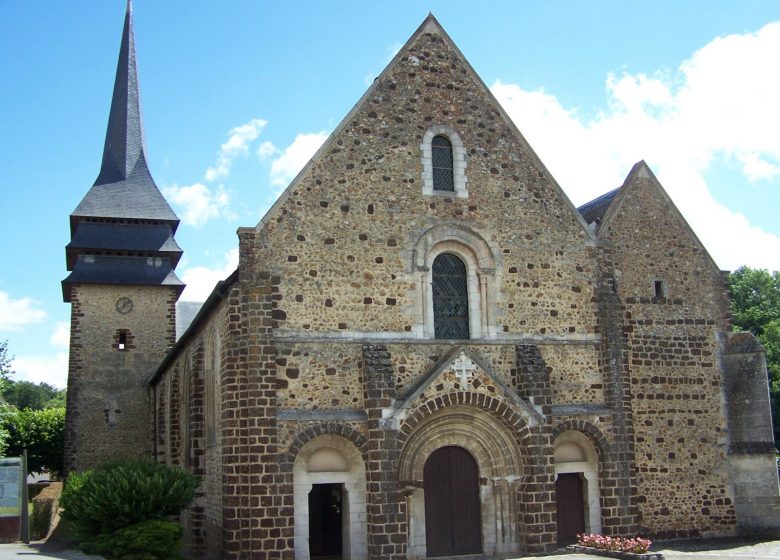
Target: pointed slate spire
<point x="122" y="231"/>
<point x="125" y="187"/>
<point x="125" y="146"/>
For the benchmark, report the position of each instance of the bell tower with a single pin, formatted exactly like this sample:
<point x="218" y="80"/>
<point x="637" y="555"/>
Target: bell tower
<point x="122" y="287"/>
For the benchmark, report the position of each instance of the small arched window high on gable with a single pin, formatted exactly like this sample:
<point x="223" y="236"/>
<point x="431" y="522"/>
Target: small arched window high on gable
<point x="450" y="297"/>
<point x="443" y="159"/>
<point x="442" y="163"/>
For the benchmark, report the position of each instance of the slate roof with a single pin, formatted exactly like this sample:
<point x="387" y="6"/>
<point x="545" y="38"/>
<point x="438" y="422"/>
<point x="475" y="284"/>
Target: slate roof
<point x="134" y="271"/>
<point x="596" y="208"/>
<point x="122" y="230"/>
<point x="125" y="187"/>
<point x="141" y="238"/>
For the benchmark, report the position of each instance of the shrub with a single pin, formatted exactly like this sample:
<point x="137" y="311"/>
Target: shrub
<point x="42" y="432"/>
<point x="156" y="539"/>
<point x="119" y="494"/>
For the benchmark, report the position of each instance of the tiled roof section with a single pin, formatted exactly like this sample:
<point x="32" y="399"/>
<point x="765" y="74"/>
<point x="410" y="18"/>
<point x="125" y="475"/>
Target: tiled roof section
<point x="596" y="208"/>
<point x="127" y="238"/>
<point x="125" y="187"/>
<point x="133" y="271"/>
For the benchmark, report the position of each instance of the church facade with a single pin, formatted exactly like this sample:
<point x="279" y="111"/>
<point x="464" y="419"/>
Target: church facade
<point x="426" y="349"/>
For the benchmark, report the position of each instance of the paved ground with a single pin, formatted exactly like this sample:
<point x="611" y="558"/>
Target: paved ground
<point x="706" y="550"/>
<point x="34" y="552"/>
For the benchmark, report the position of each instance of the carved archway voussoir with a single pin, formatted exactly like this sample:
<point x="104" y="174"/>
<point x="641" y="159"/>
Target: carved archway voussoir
<point x="327" y="428"/>
<point x="485" y="436"/>
<point x="599" y="441"/>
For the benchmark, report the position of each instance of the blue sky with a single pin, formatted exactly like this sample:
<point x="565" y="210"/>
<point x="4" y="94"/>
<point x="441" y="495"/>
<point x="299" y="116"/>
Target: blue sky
<point x="237" y="95"/>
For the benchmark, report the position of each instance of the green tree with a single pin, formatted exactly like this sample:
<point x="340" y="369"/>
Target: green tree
<point x="5" y="374"/>
<point x="36" y="396"/>
<point x="755" y="307"/>
<point x="5" y="364"/>
<point x="42" y="432"/>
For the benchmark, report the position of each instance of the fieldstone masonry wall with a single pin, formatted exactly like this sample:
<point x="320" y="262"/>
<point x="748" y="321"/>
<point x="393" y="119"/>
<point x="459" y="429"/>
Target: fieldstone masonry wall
<point x="670" y="346"/>
<point x="108" y="408"/>
<point x="326" y="333"/>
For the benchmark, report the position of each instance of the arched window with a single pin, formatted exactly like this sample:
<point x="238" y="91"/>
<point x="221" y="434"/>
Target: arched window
<point x="213" y="354"/>
<point x="441" y="154"/>
<point x="443" y="162"/>
<point x="477" y="284"/>
<point x="450" y="297"/>
<point x="185" y="415"/>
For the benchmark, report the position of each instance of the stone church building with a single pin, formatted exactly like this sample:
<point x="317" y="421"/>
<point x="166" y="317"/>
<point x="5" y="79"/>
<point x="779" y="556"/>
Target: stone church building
<point x="426" y="349"/>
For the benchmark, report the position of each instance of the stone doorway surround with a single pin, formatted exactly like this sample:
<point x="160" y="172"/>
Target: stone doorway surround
<point x="331" y="459"/>
<point x="574" y="453"/>
<point x="500" y="472"/>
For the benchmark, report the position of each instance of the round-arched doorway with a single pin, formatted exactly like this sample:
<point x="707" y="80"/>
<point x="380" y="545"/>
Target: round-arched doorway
<point x="329" y="494"/>
<point x="457" y="444"/>
<point x="576" y="486"/>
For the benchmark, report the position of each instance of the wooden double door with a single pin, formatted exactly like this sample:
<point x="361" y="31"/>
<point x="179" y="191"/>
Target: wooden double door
<point x="452" y="503"/>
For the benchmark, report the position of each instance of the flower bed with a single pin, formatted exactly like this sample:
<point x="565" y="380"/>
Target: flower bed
<point x="616" y="547"/>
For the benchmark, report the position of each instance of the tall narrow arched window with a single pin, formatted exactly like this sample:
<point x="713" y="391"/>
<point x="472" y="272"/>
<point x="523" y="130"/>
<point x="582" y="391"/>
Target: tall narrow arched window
<point x="444" y="159"/>
<point x="185" y="415"/>
<point x="443" y="169"/>
<point x="212" y="374"/>
<point x="450" y="297"/>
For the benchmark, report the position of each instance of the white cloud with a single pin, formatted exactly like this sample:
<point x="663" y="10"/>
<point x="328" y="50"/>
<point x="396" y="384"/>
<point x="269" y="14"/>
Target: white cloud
<point x="237" y="144"/>
<point x="60" y="337"/>
<point x="719" y="107"/>
<point x="266" y="150"/>
<point x="756" y="168"/>
<point x="295" y="156"/>
<point x="15" y="314"/>
<point x="201" y="280"/>
<point x="43" y="369"/>
<point x="199" y="202"/>
<point x="51" y="369"/>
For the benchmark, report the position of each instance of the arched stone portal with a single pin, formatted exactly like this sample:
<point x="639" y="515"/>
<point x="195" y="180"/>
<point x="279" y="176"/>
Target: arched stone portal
<point x="497" y="457"/>
<point x="329" y="472"/>
<point x="576" y="470"/>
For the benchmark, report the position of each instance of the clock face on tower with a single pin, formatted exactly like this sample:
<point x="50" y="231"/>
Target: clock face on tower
<point x="124" y="305"/>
